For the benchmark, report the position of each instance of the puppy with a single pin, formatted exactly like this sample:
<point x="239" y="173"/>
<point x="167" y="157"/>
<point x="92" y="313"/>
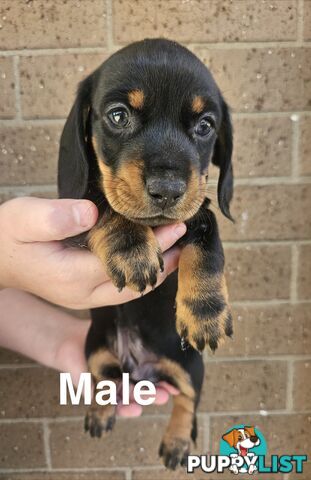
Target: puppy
<point x="138" y="142"/>
<point x="242" y="439"/>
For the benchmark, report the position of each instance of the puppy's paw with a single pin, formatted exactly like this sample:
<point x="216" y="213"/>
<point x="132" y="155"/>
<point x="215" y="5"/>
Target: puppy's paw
<point x="99" y="420"/>
<point x="137" y="267"/>
<point x="131" y="257"/>
<point x="202" y="313"/>
<point x="174" y="452"/>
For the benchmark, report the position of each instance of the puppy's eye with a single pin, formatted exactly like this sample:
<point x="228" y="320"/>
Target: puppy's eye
<point x="204" y="126"/>
<point x="119" y="117"/>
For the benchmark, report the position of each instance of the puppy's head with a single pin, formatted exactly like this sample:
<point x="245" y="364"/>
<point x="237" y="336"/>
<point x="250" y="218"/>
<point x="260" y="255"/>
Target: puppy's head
<point x="242" y="439"/>
<point x="142" y="132"/>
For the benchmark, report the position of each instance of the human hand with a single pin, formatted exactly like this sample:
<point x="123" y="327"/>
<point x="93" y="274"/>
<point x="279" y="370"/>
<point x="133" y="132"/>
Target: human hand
<point x="56" y="339"/>
<point x="33" y="258"/>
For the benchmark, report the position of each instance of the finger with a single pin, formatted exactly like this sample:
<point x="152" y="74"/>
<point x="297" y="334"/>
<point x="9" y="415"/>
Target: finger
<point x="84" y="263"/>
<point x="32" y="219"/>
<point x="168" y="235"/>
<point x="108" y="290"/>
<point x="161" y="397"/>
<point x="169" y="388"/>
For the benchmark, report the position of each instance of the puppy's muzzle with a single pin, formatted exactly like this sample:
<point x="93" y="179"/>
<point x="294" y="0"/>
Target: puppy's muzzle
<point x="165" y="193"/>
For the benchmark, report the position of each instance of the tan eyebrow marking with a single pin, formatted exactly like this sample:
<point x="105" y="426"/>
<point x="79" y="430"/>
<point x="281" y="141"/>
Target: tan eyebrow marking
<point x="197" y="104"/>
<point x="136" y="99"/>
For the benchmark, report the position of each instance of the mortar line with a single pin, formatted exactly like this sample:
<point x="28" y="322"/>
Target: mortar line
<point x="19" y="122"/>
<point x="256" y="182"/>
<point x="18" y="113"/>
<point x="290" y="384"/>
<point x="164" y="416"/>
<point x="236" y="115"/>
<point x="14" y="366"/>
<point x="210" y="45"/>
<point x="36" y="52"/>
<point x="208" y="359"/>
<point x="142" y="468"/>
<point x="46" y="444"/>
<point x="109" y="26"/>
<point x="64" y="470"/>
<point x="128" y="474"/>
<point x="294" y="273"/>
<point x="265" y="243"/>
<point x="267" y="302"/>
<point x="206" y="433"/>
<point x="300" y="12"/>
<point x="263" y="181"/>
<point x="295" y="144"/>
<point x="259" y="358"/>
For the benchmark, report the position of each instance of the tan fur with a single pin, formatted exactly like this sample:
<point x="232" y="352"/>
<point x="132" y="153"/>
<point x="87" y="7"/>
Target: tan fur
<point x="180" y="376"/>
<point x="178" y="432"/>
<point x="143" y="257"/>
<point x="127" y="195"/>
<point x="194" y="283"/>
<point x="100" y="414"/>
<point x="180" y="424"/>
<point x="136" y="99"/>
<point x="193" y="198"/>
<point x="99" y="359"/>
<point x="197" y="104"/>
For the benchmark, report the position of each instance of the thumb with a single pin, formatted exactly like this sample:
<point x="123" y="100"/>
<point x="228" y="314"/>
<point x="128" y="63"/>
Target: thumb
<point x="31" y="219"/>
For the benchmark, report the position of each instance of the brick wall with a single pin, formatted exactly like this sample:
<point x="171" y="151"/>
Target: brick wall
<point x="259" y="52"/>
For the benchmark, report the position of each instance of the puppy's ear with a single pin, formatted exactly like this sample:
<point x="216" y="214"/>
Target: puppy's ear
<point x="222" y="157"/>
<point x="73" y="162"/>
<point x="229" y="438"/>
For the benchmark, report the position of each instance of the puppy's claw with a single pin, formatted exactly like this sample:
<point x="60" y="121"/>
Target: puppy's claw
<point x="96" y="425"/>
<point x="184" y="344"/>
<point x="174" y="452"/>
<point x="161" y="262"/>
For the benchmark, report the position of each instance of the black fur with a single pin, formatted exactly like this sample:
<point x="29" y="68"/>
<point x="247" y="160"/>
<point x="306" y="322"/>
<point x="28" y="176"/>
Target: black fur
<point x="163" y="135"/>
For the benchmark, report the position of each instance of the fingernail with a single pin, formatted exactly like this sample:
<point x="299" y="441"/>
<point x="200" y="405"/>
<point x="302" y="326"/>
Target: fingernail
<point x="82" y="214"/>
<point x="180" y="230"/>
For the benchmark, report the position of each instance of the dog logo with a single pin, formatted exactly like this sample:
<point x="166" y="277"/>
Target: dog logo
<point x="246" y="442"/>
<point x="243" y="449"/>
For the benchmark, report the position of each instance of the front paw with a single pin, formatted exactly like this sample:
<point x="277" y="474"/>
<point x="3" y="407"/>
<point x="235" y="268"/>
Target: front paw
<point x="131" y="258"/>
<point x="136" y="268"/>
<point x="98" y="421"/>
<point x="202" y="318"/>
<point x="174" y="452"/>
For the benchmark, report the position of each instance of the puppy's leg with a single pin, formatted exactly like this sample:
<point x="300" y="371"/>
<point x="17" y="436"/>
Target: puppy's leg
<point x="175" y="445"/>
<point x="130" y="252"/>
<point x="103" y="365"/>
<point x="203" y="314"/>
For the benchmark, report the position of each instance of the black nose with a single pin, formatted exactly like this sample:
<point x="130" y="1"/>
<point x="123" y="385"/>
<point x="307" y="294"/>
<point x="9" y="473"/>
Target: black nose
<point x="165" y="192"/>
<point x="254" y="438"/>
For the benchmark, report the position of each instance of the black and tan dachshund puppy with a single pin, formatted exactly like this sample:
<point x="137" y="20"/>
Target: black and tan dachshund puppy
<point x="138" y="143"/>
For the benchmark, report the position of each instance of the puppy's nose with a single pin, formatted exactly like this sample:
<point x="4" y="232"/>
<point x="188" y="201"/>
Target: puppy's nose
<point x="254" y="438"/>
<point x="165" y="192"/>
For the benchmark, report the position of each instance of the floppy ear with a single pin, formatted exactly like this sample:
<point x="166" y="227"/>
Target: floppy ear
<point x="222" y="157"/>
<point x="229" y="437"/>
<point x="73" y="162"/>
